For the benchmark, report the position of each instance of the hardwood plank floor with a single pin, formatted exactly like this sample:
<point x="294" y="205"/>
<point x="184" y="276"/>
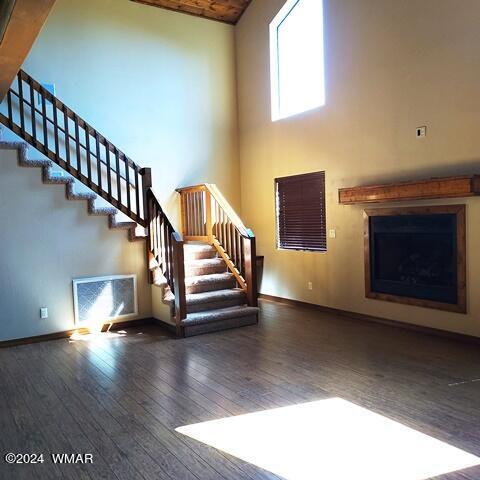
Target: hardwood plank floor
<point x="120" y="398"/>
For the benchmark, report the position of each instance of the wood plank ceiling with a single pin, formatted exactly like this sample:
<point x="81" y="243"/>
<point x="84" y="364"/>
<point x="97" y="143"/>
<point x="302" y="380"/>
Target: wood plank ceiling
<point x="228" y="11"/>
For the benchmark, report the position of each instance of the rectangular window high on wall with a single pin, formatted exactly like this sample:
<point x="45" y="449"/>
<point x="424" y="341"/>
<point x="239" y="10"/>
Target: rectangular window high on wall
<point x="297" y="58"/>
<point x="301" y="216"/>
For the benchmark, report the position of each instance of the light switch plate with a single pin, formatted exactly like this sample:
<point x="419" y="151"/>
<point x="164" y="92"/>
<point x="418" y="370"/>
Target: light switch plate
<point x="44" y="312"/>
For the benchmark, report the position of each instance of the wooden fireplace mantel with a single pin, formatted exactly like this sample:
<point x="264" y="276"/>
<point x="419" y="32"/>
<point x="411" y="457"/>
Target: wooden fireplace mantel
<point x="446" y="187"/>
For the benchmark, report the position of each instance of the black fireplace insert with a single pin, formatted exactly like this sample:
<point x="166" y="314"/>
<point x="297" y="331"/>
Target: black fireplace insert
<point x="415" y="256"/>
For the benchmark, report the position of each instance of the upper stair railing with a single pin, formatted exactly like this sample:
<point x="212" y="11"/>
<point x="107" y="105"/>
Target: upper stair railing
<point x="208" y="217"/>
<point x="47" y="124"/>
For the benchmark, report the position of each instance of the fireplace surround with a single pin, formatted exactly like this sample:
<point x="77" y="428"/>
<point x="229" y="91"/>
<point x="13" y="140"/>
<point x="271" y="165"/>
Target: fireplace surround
<point x="416" y="255"/>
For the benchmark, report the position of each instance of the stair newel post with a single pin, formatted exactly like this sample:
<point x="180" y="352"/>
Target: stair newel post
<point x="179" y="282"/>
<point x="250" y="258"/>
<point x="146" y="174"/>
<point x="208" y="216"/>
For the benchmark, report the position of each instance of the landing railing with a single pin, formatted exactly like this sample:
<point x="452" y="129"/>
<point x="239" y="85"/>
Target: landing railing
<point x="55" y="130"/>
<point x="208" y="217"/>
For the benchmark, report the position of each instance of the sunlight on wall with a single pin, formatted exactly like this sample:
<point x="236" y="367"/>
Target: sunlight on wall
<point x="332" y="439"/>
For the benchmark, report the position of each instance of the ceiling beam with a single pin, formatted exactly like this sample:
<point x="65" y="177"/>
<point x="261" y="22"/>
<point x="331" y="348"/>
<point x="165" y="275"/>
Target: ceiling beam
<point x="22" y="23"/>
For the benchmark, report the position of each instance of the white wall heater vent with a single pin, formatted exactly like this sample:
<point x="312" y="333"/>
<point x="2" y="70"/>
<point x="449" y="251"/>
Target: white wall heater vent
<point x="102" y="299"/>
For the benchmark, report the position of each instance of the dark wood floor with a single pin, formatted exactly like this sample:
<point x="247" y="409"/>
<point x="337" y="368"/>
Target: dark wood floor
<point x="121" y="398"/>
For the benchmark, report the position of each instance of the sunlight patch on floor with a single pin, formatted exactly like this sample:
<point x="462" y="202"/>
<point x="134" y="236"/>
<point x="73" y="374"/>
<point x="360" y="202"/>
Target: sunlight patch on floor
<point x="331" y="439"/>
<point x="95" y="336"/>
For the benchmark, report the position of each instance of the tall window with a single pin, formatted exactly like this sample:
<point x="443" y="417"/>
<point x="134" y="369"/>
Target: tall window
<point x="301" y="218"/>
<point x="297" y="58"/>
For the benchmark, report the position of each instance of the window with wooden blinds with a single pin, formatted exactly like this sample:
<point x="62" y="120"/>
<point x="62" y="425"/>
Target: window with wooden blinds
<point x="301" y="217"/>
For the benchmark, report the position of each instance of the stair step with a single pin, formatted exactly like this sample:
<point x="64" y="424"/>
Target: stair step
<point x="112" y="223"/>
<point x="215" y="300"/>
<point x="73" y="195"/>
<point x="197" y="251"/>
<point x="204" y="266"/>
<point x="49" y="177"/>
<point x="221" y="319"/>
<point x="102" y="211"/>
<point x="207" y="283"/>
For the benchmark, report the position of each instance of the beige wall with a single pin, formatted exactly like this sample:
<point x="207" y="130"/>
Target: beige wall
<point x="391" y="66"/>
<point x="45" y="242"/>
<point x="160" y="85"/>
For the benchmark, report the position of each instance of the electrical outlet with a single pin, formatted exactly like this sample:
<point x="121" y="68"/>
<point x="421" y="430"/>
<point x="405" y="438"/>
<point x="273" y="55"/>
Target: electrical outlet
<point x="310" y="285"/>
<point x="332" y="233"/>
<point x="44" y="312"/>
<point x="421" y="132"/>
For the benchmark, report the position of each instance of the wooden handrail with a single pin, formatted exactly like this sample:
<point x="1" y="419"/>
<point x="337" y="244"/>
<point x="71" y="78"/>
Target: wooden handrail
<point x="113" y="175"/>
<point x="207" y="216"/>
<point x="65" y="138"/>
<point x="226" y="207"/>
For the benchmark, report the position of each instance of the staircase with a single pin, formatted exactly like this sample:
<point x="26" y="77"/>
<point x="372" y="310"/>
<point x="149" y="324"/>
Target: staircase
<point x="207" y="272"/>
<point x="213" y="300"/>
<point x="74" y="191"/>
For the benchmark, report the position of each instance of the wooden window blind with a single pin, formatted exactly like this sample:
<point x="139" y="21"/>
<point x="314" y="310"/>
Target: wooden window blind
<point x="301" y="217"/>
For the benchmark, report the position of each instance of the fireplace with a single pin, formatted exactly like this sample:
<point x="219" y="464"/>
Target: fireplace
<point x="416" y="256"/>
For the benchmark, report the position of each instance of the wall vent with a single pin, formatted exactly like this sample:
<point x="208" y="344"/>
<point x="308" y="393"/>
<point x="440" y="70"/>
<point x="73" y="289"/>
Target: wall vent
<point x="101" y="299"/>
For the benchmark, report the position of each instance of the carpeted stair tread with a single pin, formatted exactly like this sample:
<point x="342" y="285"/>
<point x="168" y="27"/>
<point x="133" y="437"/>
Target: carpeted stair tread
<point x="230" y="294"/>
<point x="198" y="247"/>
<point x="194" y="251"/>
<point x="121" y="225"/>
<point x="205" y="262"/>
<point x="211" y="316"/>
<point x="49" y="177"/>
<point x="215" y="296"/>
<point x="204" y="266"/>
<point x="72" y="195"/>
<point x="208" y="279"/>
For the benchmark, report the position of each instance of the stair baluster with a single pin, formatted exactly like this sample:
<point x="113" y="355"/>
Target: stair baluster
<point x="208" y="217"/>
<point x="128" y="192"/>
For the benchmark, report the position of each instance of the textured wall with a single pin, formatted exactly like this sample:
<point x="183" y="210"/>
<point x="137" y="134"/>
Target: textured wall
<point x="159" y="84"/>
<point x="45" y="242"/>
<point x="391" y="66"/>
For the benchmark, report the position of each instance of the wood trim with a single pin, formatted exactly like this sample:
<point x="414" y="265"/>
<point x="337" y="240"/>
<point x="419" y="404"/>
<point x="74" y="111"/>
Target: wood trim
<point x="229" y="211"/>
<point x="447" y="187"/>
<point x="373" y="319"/>
<point x="179" y="282"/>
<point x="68" y="333"/>
<point x="251" y="271"/>
<point x="228" y="12"/>
<point x="230" y="264"/>
<point x="198" y="238"/>
<point x="26" y="21"/>
<point x="222" y="202"/>
<point x="459" y="211"/>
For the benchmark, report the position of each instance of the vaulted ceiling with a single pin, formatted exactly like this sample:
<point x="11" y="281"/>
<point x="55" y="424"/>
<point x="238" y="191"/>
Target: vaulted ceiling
<point x="228" y="11"/>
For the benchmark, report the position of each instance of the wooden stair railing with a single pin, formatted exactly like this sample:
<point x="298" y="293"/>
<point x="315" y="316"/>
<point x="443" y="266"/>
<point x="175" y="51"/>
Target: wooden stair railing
<point x="55" y="130"/>
<point x="165" y="251"/>
<point x="208" y="217"/>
